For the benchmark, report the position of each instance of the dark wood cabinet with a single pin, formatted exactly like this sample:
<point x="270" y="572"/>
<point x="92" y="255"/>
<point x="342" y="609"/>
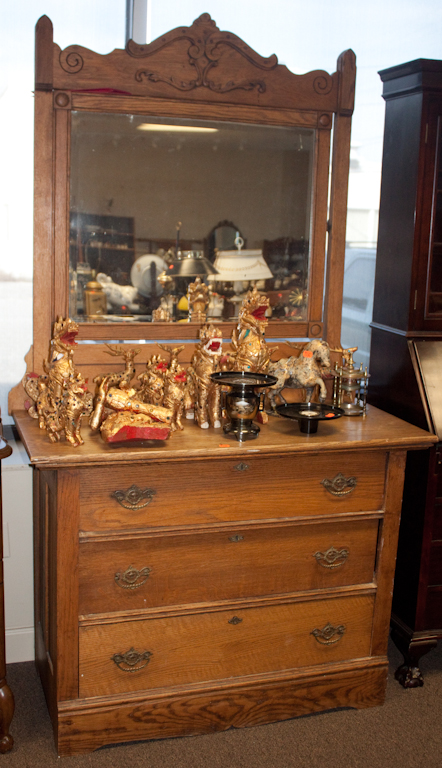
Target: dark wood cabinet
<point x="406" y="347"/>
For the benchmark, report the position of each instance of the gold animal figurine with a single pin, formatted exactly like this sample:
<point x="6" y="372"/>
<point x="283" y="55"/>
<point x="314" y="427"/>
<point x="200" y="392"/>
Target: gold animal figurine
<point x="250" y="351"/>
<point x="167" y="384"/>
<point x="60" y="397"/>
<point x="198" y="296"/>
<point x="152" y="381"/>
<point x="121" y="416"/>
<point x="175" y="392"/>
<point x="205" y="361"/>
<point x="120" y="378"/>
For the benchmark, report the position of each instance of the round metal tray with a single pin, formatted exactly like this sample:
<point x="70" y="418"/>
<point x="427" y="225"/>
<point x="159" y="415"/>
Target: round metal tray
<point x="308" y="415"/>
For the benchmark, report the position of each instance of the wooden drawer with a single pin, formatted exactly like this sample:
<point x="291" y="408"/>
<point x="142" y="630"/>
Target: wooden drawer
<point x="198" y="492"/>
<point x="156" y="570"/>
<point x="197" y="647"/>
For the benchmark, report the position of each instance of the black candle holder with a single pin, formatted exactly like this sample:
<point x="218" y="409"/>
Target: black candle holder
<point x="241" y="401"/>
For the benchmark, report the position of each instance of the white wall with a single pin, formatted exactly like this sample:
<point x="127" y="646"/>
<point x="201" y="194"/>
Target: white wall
<point x="18" y="553"/>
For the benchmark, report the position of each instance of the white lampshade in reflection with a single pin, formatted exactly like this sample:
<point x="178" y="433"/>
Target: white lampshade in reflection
<point x="240" y="265"/>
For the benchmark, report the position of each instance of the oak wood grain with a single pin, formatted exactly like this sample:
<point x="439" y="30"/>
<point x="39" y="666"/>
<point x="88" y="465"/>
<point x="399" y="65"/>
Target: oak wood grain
<point x="209" y="492"/>
<point x="231" y="564"/>
<point x="199" y="647"/>
<point x="82" y="727"/>
<point x="280" y="437"/>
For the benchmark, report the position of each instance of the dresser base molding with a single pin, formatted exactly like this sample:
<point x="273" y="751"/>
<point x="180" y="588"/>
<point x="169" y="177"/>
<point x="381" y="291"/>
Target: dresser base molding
<point x="82" y="726"/>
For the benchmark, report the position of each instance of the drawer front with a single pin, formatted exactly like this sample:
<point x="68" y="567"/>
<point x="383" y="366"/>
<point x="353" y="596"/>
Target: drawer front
<point x="135" y="574"/>
<point x="192" y="648"/>
<point x="199" y="492"/>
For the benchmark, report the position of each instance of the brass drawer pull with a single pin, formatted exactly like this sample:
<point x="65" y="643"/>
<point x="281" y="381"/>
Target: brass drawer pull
<point x="132" y="660"/>
<point x="235" y="620"/>
<point x="236" y="538"/>
<point x="340" y="485"/>
<point x="332" y="558"/>
<point x="242" y="467"/>
<point x="134" y="497"/>
<point x="132" y="578"/>
<point x="328" y="635"/>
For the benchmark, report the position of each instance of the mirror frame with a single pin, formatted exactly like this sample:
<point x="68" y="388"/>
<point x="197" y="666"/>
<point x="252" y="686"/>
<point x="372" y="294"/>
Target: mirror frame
<point x="192" y="72"/>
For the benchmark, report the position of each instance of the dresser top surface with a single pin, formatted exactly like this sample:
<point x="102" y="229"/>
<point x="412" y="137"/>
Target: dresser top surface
<point x="375" y="430"/>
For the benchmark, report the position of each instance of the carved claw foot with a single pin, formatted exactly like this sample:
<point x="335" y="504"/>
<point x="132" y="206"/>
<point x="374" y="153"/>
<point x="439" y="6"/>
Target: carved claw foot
<point x="409" y="676"/>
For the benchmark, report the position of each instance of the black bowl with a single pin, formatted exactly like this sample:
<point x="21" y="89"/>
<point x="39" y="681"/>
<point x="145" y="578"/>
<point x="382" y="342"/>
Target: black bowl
<point x="309" y="414"/>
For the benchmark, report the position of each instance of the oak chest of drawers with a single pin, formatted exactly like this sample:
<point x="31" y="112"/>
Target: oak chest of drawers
<point x="197" y="585"/>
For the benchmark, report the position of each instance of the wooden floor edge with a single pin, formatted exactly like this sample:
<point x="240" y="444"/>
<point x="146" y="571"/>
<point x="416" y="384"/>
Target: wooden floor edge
<point x="81" y="729"/>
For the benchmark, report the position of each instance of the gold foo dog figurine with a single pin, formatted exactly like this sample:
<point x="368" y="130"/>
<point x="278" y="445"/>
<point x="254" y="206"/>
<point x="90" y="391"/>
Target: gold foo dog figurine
<point x="60" y="397"/>
<point x="206" y="394"/>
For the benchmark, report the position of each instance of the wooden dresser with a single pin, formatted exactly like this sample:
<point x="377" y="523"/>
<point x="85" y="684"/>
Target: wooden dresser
<point x="202" y="584"/>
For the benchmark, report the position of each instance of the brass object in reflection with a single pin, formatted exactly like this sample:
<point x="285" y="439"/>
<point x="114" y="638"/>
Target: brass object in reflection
<point x="205" y="361"/>
<point x="95" y="301"/>
<point x="132" y="578"/>
<point x="132" y="660"/>
<point x="340" y="485"/>
<point x="332" y="558"/>
<point x="134" y="497"/>
<point x="235" y="620"/>
<point x="162" y="313"/>
<point x="328" y="635"/>
<point x="60" y="397"/>
<point x="198" y="298"/>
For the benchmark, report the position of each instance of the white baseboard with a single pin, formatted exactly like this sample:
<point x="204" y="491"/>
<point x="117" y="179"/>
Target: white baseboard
<point x="19" y="645"/>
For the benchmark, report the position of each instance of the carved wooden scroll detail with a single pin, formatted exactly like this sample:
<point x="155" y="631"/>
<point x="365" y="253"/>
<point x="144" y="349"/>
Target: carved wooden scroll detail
<point x="207" y="46"/>
<point x="71" y="61"/>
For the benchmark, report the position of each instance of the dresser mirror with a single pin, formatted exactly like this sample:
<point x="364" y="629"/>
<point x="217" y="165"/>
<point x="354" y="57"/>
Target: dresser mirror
<point x="197" y="145"/>
<point x="155" y="185"/>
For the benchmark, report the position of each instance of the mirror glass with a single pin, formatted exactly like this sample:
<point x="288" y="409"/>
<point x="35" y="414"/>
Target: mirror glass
<point x="156" y="202"/>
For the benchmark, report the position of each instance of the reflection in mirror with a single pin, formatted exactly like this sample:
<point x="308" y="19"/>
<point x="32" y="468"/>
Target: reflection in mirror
<point x="222" y="238"/>
<point x="145" y="192"/>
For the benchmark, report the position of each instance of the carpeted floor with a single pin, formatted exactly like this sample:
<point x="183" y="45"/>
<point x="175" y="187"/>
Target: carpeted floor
<point x="404" y="733"/>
